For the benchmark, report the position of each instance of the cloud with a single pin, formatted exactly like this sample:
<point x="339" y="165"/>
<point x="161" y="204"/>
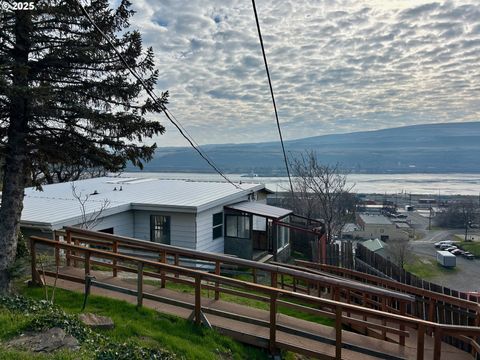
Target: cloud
<point x="336" y="65"/>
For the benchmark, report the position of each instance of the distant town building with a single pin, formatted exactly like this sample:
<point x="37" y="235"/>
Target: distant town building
<point x="372" y="226"/>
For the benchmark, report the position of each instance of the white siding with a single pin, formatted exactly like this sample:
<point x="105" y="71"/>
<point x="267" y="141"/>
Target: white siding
<point x="205" y="240"/>
<point x="122" y="223"/>
<point x="182" y="227"/>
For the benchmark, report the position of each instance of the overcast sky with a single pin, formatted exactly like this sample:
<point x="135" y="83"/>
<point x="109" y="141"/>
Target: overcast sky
<point x="337" y="66"/>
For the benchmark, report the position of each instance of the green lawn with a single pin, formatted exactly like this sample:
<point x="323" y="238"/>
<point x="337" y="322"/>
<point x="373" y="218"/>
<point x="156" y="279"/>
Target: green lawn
<point x="249" y="302"/>
<point x="143" y="326"/>
<point x="472" y="246"/>
<point x="427" y="268"/>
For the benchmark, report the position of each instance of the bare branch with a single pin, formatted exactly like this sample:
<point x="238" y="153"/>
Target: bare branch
<point x="89" y="220"/>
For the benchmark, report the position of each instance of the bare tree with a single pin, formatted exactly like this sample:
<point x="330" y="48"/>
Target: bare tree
<point x="89" y="220"/>
<point x="322" y="190"/>
<point x="460" y="215"/>
<point x="303" y="201"/>
<point x="63" y="172"/>
<point x="399" y="251"/>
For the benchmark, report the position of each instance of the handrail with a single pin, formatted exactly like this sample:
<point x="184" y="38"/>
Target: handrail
<point x="338" y="308"/>
<point x="241" y="262"/>
<point x="471" y="305"/>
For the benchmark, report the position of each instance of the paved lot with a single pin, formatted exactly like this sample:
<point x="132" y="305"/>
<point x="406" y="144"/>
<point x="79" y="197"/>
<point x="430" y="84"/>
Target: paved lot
<point x="466" y="277"/>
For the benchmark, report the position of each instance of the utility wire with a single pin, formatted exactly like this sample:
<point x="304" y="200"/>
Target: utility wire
<point x="273" y="97"/>
<point x="154" y="97"/>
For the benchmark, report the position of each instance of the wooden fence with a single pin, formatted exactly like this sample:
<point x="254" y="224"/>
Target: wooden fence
<point x="433" y="302"/>
<point x="294" y="280"/>
<point x="341" y="312"/>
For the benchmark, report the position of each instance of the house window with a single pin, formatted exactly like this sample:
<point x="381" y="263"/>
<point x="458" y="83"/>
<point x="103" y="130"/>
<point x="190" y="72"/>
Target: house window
<point x="217" y="225"/>
<point x="283" y="236"/>
<point x="160" y="229"/>
<point x="237" y="226"/>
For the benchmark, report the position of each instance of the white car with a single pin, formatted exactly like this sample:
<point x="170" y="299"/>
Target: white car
<point x="444" y="242"/>
<point x="446" y="246"/>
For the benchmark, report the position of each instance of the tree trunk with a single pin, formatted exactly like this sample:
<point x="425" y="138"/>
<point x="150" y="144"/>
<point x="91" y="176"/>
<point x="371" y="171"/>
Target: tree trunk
<point x="15" y="170"/>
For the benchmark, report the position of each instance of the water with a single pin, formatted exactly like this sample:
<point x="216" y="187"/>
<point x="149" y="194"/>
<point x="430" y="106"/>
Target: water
<point x="445" y="184"/>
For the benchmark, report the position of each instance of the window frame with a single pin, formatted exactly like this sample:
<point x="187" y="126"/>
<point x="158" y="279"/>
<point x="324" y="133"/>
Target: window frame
<point x="237" y="223"/>
<point x="216" y="226"/>
<point x="165" y="232"/>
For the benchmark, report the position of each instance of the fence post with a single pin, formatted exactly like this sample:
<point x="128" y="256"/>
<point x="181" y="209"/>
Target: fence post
<point x="437" y="347"/>
<point x="57" y="251"/>
<point x="114" y="262"/>
<point x="365" y="304"/>
<point x="420" y="341"/>
<point x="273" y="279"/>
<point x="176" y="262"/>
<point x="273" y="322"/>
<point x="87" y="263"/>
<point x="198" y="299"/>
<point x="140" y="284"/>
<point x="432" y="305"/>
<point x="384" y="320"/>
<point x="338" y="332"/>
<point x="403" y="308"/>
<point x="217" y="272"/>
<point x="68" y="252"/>
<point x="163" y="259"/>
<point x="75" y="262"/>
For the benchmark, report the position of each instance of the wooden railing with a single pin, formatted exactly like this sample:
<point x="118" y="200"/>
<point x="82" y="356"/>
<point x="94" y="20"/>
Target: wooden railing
<point x="285" y="278"/>
<point x="342" y="313"/>
<point x="430" y="299"/>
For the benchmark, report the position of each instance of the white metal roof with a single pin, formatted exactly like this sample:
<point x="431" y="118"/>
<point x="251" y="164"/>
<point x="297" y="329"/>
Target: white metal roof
<point x="56" y="203"/>
<point x="375" y="219"/>
<point x="261" y="209"/>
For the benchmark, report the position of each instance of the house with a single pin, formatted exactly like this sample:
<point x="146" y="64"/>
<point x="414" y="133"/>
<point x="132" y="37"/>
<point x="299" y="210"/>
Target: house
<point x="370" y="226"/>
<point x="207" y="216"/>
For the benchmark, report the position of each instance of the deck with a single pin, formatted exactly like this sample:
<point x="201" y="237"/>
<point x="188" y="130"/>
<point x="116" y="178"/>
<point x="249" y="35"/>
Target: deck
<point x="370" y="322"/>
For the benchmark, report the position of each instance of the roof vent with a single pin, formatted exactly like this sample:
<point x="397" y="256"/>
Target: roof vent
<point x="115" y="188"/>
<point x="120" y="189"/>
<point x="94" y="193"/>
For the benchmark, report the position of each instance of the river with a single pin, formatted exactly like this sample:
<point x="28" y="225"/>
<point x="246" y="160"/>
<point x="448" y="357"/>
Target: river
<point x="444" y="184"/>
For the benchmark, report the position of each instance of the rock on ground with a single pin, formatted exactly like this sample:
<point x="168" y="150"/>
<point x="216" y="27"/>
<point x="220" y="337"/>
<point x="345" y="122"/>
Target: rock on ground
<point x="96" y="321"/>
<point x="46" y="341"/>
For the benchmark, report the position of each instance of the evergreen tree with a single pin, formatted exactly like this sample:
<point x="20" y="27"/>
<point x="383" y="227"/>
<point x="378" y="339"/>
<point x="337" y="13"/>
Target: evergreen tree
<point x="66" y="99"/>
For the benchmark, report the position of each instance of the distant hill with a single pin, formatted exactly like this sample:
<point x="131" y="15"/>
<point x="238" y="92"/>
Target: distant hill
<point x="434" y="148"/>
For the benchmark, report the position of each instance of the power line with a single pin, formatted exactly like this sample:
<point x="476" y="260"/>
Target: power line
<point x="154" y="97"/>
<point x="273" y="97"/>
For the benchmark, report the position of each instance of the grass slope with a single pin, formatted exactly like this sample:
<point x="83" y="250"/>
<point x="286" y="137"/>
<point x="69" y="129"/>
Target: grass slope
<point x="143" y="326"/>
<point x="427" y="269"/>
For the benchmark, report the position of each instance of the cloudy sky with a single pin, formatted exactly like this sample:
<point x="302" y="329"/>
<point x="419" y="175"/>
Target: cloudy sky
<point x="337" y="66"/>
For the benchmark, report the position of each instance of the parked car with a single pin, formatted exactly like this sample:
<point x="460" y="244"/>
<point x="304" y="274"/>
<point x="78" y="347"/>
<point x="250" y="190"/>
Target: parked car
<point x="468" y="255"/>
<point x="443" y="242"/>
<point x="457" y="252"/>
<point x="450" y="248"/>
<point x="446" y="246"/>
